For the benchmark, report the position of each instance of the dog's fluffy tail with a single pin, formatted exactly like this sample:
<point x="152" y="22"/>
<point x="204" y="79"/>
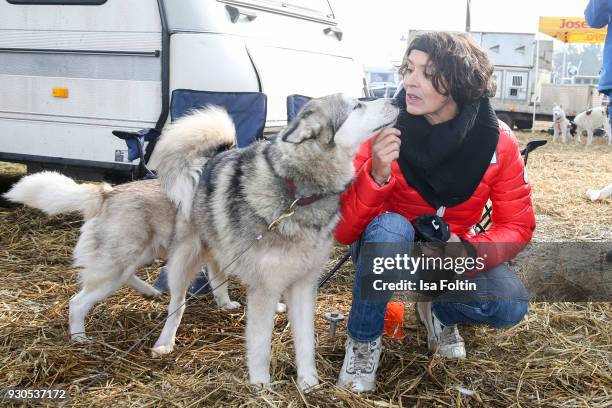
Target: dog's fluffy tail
<point x="54" y="194"/>
<point x="184" y="148"/>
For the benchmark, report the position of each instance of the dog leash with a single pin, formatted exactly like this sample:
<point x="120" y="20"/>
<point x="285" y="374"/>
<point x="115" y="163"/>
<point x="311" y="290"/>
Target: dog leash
<point x="289" y="212"/>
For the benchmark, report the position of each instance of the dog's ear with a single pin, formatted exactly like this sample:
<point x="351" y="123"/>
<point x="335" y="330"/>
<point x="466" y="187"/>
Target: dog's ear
<point x="589" y="112"/>
<point x="301" y="130"/>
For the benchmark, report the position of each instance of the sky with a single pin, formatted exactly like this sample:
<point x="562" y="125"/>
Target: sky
<point x="374" y="28"/>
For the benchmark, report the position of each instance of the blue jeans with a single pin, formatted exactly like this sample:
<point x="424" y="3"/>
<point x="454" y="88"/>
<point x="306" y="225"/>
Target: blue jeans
<point x="608" y="92"/>
<point x="500" y="301"/>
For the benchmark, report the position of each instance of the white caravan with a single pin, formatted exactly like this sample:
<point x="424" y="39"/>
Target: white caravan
<point x="72" y="71"/>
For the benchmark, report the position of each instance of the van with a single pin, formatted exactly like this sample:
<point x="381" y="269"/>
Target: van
<point x="381" y="76"/>
<point x="72" y="71"/>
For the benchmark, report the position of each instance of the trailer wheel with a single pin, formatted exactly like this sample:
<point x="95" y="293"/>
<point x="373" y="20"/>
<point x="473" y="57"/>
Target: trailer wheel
<point x="506" y="118"/>
<point x="524" y="124"/>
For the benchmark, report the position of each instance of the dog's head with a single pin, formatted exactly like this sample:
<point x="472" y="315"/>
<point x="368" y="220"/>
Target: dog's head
<point x="558" y="113"/>
<point x="336" y="120"/>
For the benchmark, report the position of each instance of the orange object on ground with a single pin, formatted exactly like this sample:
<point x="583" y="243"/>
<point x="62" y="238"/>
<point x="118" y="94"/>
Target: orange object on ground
<point x="394" y="321"/>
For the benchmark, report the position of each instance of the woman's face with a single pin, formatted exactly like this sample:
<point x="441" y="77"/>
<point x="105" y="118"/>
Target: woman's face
<point x="421" y="96"/>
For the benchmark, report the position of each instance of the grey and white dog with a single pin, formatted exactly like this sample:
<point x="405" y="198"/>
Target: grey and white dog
<point x="227" y="203"/>
<point x="126" y="227"/>
<point x="216" y="208"/>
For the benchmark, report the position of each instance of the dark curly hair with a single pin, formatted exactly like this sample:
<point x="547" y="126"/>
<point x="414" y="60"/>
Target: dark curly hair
<point x="460" y="67"/>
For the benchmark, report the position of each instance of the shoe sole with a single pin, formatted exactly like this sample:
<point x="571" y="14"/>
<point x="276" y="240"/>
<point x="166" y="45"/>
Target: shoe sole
<point x="432" y="345"/>
<point x="351" y="386"/>
<point x="426" y="322"/>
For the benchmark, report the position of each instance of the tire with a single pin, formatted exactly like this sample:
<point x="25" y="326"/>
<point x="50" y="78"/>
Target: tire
<point x="524" y="124"/>
<point x="506" y="118"/>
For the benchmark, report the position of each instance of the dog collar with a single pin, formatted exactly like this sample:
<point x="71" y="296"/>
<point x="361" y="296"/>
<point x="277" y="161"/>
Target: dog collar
<point x="302" y="201"/>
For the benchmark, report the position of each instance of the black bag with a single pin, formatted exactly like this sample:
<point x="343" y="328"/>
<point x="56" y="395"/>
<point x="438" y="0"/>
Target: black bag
<point x="432" y="233"/>
<point x="432" y="228"/>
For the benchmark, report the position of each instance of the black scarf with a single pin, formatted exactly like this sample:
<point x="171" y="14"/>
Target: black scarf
<point x="446" y="162"/>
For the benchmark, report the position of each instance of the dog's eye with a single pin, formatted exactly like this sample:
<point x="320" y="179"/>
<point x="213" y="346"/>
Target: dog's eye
<point x="358" y="106"/>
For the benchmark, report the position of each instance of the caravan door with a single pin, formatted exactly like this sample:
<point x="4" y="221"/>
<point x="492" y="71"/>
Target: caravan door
<point x="275" y="47"/>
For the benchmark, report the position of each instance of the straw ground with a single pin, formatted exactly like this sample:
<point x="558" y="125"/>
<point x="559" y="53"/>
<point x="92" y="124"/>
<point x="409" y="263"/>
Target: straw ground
<point x="559" y="356"/>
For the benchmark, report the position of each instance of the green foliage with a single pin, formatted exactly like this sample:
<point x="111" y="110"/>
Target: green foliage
<point x="588" y="57"/>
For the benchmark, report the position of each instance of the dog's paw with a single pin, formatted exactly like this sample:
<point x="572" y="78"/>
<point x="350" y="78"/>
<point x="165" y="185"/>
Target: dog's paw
<point x="156" y="295"/>
<point x="260" y="382"/>
<point x="281" y="308"/>
<point x="79" y="338"/>
<point x="231" y="305"/>
<point x="261" y="388"/>
<point x="161" y="350"/>
<point x="307" y="382"/>
<point x="592" y="194"/>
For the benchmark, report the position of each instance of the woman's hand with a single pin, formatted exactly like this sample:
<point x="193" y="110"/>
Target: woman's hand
<point x="457" y="249"/>
<point x="385" y="150"/>
<point x="437" y="250"/>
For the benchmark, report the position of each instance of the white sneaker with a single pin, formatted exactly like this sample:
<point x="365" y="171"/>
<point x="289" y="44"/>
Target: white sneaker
<point x="442" y="339"/>
<point x="360" y="364"/>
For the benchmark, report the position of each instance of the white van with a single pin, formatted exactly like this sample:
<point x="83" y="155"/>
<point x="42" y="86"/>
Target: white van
<point x="71" y="71"/>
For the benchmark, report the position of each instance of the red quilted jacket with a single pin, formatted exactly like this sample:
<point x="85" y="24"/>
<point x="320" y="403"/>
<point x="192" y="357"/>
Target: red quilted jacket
<point x="504" y="183"/>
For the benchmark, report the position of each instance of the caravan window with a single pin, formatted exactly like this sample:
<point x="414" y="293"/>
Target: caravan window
<point x="302" y="8"/>
<point x="381" y="77"/>
<point x="62" y="2"/>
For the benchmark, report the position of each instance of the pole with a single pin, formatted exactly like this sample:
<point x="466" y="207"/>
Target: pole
<point x="535" y="82"/>
<point x="467" y="17"/>
<point x="564" y="72"/>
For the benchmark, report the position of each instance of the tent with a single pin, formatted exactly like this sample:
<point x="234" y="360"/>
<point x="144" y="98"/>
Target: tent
<point x="567" y="30"/>
<point x="571" y="30"/>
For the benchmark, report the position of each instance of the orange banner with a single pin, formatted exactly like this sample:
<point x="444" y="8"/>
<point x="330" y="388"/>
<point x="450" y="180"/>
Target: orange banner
<point x="572" y="30"/>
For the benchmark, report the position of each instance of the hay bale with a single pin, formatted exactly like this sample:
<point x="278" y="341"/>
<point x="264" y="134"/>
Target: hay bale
<point x="558" y="356"/>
